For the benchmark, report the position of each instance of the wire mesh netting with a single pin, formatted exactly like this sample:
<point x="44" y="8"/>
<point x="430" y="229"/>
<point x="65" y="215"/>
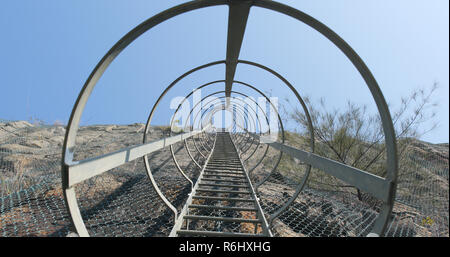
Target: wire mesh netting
<point x="122" y="201"/>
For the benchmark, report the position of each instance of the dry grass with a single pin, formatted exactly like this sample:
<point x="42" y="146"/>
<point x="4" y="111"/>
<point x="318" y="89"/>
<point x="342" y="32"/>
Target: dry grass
<point x="249" y="227"/>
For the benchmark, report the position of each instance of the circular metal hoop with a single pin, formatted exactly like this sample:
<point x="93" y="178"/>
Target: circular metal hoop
<point x="285" y="81"/>
<point x="73" y="124"/>
<point x="244" y="84"/>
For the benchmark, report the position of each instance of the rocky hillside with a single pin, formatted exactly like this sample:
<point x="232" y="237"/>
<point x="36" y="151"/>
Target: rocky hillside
<point x="29" y="154"/>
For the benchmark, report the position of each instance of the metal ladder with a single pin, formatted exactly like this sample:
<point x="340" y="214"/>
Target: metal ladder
<point x="223" y="201"/>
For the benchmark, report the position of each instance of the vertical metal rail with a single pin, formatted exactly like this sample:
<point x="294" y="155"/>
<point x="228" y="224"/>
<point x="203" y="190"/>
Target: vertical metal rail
<point x="260" y="212"/>
<point x="237" y="21"/>
<point x="185" y="211"/>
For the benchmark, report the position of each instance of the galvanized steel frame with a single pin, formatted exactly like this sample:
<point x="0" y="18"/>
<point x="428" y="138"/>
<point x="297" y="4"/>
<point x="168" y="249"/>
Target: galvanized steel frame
<point x="238" y="15"/>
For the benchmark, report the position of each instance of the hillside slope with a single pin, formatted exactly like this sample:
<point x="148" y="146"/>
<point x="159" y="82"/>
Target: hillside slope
<point x="32" y="204"/>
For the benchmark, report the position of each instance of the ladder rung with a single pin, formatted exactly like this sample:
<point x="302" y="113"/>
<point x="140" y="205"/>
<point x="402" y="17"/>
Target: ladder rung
<point x="222" y="191"/>
<point x="230" y="161"/>
<point x="224" y="180"/>
<point x="223" y="168"/>
<point x="228" y="219"/>
<point x="221" y="185"/>
<point x="228" y="176"/>
<point x="232" y="157"/>
<point x="215" y="207"/>
<point x="224" y="172"/>
<point x="208" y="168"/>
<point x="222" y="198"/>
<point x="225" y="162"/>
<point x="237" y="165"/>
<point x="216" y="233"/>
<point x="232" y="165"/>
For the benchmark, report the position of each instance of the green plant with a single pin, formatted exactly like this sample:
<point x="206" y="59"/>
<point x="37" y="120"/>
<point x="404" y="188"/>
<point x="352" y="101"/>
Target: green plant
<point x="355" y="137"/>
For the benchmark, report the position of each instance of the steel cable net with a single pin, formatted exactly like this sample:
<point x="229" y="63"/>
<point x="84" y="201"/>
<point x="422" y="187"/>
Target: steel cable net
<point x="111" y="204"/>
<point x="147" y="180"/>
<point x="122" y="202"/>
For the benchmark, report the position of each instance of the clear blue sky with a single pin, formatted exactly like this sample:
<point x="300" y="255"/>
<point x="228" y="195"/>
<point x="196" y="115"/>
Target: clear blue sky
<point x="48" y="48"/>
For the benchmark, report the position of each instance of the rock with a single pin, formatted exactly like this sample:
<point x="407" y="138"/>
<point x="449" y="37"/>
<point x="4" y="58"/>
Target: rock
<point x="58" y="140"/>
<point x="39" y="153"/>
<point x="38" y="143"/>
<point x="136" y="124"/>
<point x="72" y="234"/>
<point x="40" y="134"/>
<point x="110" y="128"/>
<point x="58" y="130"/>
<point x="18" y="162"/>
<point x="19" y="124"/>
<point x="19" y="148"/>
<point x="284" y="230"/>
<point x="3" y="135"/>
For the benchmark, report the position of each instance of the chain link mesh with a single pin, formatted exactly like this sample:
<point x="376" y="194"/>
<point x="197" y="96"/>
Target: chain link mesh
<point x="122" y="202"/>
